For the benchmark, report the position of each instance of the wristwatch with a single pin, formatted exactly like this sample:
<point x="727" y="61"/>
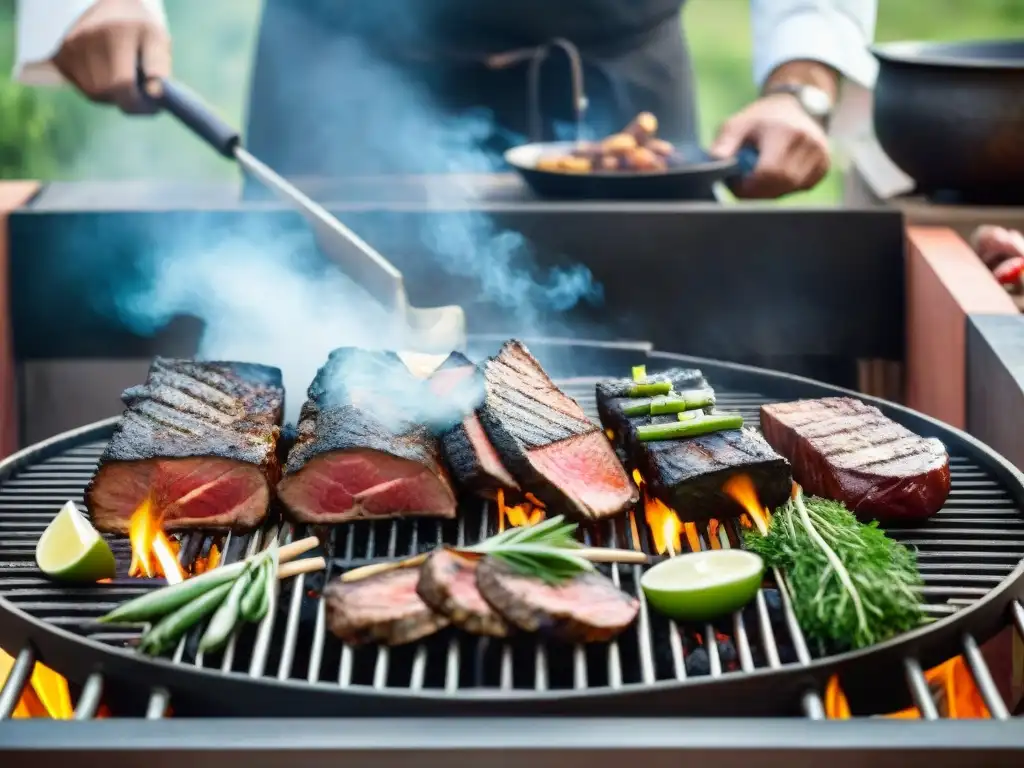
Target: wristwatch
<point x="813" y="100"/>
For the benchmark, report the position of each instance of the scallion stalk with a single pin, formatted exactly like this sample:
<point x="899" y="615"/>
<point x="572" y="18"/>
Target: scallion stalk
<point x="674" y="430"/>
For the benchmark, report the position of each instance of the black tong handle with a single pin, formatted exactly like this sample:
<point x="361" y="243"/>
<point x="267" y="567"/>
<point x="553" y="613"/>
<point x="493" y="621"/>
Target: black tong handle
<point x="189" y="108"/>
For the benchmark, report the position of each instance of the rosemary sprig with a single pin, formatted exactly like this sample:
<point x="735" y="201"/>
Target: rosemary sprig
<point x="852" y="585"/>
<point x="543" y="551"/>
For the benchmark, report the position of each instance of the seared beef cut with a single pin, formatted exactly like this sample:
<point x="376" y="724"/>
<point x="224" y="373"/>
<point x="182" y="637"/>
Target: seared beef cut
<point x="551" y="448"/>
<point x="360" y="453"/>
<point x="448" y="585"/>
<point x="474" y="463"/>
<point x="586" y="608"/>
<point x="688" y="474"/>
<point x="845" y="450"/>
<point x="198" y="440"/>
<point x="383" y="608"/>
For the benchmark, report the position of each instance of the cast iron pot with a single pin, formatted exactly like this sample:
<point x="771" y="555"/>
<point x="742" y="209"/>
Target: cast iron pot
<point x="951" y="116"/>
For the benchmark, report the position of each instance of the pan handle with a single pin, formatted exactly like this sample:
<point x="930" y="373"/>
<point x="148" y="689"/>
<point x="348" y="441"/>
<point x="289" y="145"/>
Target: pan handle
<point x="190" y="109"/>
<point x="746" y="160"/>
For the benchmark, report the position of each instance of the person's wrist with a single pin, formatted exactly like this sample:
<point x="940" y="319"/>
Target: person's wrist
<point x="812" y="85"/>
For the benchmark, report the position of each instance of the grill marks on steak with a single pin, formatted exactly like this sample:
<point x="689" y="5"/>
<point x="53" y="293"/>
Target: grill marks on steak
<point x="587" y="608"/>
<point x="448" y="585"/>
<point x="688" y="474"/>
<point x="383" y="608"/>
<point x="474" y="463"/>
<point x="849" y="451"/>
<point x="551" y="448"/>
<point x="199" y="440"/>
<point x="359" y="453"/>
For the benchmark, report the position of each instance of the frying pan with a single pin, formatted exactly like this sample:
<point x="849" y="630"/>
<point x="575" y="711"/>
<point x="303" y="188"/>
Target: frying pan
<point x="689" y="177"/>
<point x="951" y="116"/>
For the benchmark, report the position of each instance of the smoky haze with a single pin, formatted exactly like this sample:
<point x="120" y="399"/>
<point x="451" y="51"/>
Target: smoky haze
<point x="263" y="298"/>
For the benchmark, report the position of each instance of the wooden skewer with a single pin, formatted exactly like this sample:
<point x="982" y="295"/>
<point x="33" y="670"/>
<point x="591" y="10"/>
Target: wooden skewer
<point x="366" y="571"/>
<point x="308" y="565"/>
<point x="289" y="552"/>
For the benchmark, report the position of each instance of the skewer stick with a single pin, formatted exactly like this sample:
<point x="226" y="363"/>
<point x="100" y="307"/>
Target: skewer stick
<point x="309" y="565"/>
<point x="366" y="571"/>
<point x="607" y="555"/>
<point x="289" y="552"/>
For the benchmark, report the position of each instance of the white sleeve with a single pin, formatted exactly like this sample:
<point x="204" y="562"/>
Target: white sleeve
<point x="834" y="32"/>
<point x="40" y="29"/>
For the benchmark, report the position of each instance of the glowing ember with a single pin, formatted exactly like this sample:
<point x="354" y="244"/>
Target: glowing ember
<point x="529" y="512"/>
<point x="951" y="685"/>
<point x="153" y="554"/>
<point x="741" y="488"/>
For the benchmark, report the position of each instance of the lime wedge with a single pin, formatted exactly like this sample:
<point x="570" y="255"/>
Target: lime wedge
<point x="701" y="586"/>
<point x="70" y="549"/>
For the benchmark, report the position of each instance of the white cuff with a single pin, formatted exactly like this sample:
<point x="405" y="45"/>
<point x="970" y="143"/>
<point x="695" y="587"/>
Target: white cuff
<point x="835" y="33"/>
<point x="41" y="26"/>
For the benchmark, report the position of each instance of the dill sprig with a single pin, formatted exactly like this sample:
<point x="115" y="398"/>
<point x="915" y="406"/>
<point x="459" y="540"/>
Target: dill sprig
<point x="851" y="585"/>
<point x="543" y="551"/>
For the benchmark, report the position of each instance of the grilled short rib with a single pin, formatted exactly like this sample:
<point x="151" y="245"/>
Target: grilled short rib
<point x="359" y="451"/>
<point x="448" y="585"/>
<point x="587" y="608"/>
<point x="199" y="440"/>
<point x="551" y="448"/>
<point x="382" y="608"/>
<point x="688" y="474"/>
<point x="474" y="463"/>
<point x="846" y="450"/>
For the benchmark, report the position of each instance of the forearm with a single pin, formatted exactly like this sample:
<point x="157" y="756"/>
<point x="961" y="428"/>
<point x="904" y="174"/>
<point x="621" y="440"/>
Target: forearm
<point x="813" y="42"/>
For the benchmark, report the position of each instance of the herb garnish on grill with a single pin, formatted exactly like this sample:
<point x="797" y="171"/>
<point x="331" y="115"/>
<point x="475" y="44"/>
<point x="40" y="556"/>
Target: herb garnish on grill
<point x="851" y="585"/>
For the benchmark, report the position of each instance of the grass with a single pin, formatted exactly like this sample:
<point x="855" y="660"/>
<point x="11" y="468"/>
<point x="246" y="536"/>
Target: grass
<point x="214" y="42"/>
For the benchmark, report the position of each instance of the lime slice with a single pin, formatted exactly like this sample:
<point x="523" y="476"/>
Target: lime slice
<point x="70" y="549"/>
<point x="703" y="585"/>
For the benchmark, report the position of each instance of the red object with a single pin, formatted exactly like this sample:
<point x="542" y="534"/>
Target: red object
<point x="1009" y="272"/>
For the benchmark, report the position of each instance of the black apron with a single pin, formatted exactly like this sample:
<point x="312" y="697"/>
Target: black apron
<point x="365" y="87"/>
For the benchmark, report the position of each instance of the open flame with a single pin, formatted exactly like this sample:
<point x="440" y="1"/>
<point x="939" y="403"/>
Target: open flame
<point x="741" y="488"/>
<point x="953" y="689"/>
<point x="666" y="528"/>
<point x="154" y="553"/>
<point x="529" y="512"/>
<point x="46" y="695"/>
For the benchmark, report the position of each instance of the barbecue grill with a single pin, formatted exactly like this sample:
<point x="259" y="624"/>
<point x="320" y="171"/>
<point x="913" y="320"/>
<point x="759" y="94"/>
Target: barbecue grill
<point x="756" y="662"/>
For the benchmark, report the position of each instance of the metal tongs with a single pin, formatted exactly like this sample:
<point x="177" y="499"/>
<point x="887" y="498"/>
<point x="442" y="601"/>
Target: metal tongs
<point x="436" y="330"/>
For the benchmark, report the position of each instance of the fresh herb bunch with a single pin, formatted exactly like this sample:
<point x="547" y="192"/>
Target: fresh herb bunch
<point x="851" y="585"/>
<point x="543" y="551"/>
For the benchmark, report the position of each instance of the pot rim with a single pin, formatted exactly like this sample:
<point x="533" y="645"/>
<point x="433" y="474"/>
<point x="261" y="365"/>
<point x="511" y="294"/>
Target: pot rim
<point x="959" y="54"/>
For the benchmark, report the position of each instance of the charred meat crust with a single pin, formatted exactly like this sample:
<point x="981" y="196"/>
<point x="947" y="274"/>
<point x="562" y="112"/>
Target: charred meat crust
<point x="383" y="608"/>
<point x="527" y="418"/>
<point x="448" y="585"/>
<point x="844" y="449"/>
<point x="188" y="411"/>
<point x="688" y="474"/>
<point x="587" y="608"/>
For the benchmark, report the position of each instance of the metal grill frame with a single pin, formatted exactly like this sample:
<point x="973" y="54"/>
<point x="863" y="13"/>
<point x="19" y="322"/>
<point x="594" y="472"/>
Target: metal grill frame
<point x="891" y="670"/>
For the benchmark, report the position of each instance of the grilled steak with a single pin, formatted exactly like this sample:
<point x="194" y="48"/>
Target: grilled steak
<point x="383" y="608"/>
<point x="359" y="452"/>
<point x="846" y="450"/>
<point x="551" y="448"/>
<point x="586" y="608"/>
<point x="448" y="585"/>
<point x="688" y="474"/>
<point x="474" y="463"/>
<point x="198" y="440"/>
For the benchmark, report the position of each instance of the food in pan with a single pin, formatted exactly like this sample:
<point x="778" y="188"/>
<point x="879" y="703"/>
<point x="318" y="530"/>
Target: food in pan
<point x="198" y="443"/>
<point x="851" y="585"/>
<point x="666" y="427"/>
<point x="360" y="453"/>
<point x="845" y="450"/>
<point x="383" y="608"/>
<point x="635" y="149"/>
<point x="474" y="464"/>
<point x="448" y="585"/>
<point x="548" y="444"/>
<point x="702" y="586"/>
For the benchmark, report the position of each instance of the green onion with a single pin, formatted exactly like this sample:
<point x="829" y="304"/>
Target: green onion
<point x="163" y="601"/>
<point x="691" y="400"/>
<point x="224" y="620"/>
<point x="256" y="601"/>
<point x="165" y="634"/>
<point x="673" y="430"/>
<point x="649" y="389"/>
<point x="639" y="408"/>
<point x="688" y="415"/>
<point x="639" y="372"/>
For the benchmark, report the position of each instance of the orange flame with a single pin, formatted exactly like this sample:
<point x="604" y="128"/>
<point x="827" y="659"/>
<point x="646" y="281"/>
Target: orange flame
<point x="741" y="488"/>
<point x="153" y="554"/>
<point x="529" y="512"/>
<point x="46" y="695"/>
<point x="955" y="693"/>
<point x="665" y="525"/>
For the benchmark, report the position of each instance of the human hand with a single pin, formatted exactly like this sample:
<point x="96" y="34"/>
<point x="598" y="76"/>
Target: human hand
<point x="105" y="48"/>
<point x="1002" y="250"/>
<point x="792" y="147"/>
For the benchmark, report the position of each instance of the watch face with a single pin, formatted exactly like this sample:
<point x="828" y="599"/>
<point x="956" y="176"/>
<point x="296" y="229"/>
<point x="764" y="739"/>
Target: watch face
<point x="815" y="101"/>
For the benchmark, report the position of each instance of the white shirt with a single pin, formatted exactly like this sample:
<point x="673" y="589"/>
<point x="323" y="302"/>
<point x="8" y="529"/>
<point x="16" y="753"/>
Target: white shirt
<point x="835" y="32"/>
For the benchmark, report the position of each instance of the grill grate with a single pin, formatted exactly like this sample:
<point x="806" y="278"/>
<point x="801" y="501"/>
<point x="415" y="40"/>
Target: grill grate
<point x="968" y="548"/>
